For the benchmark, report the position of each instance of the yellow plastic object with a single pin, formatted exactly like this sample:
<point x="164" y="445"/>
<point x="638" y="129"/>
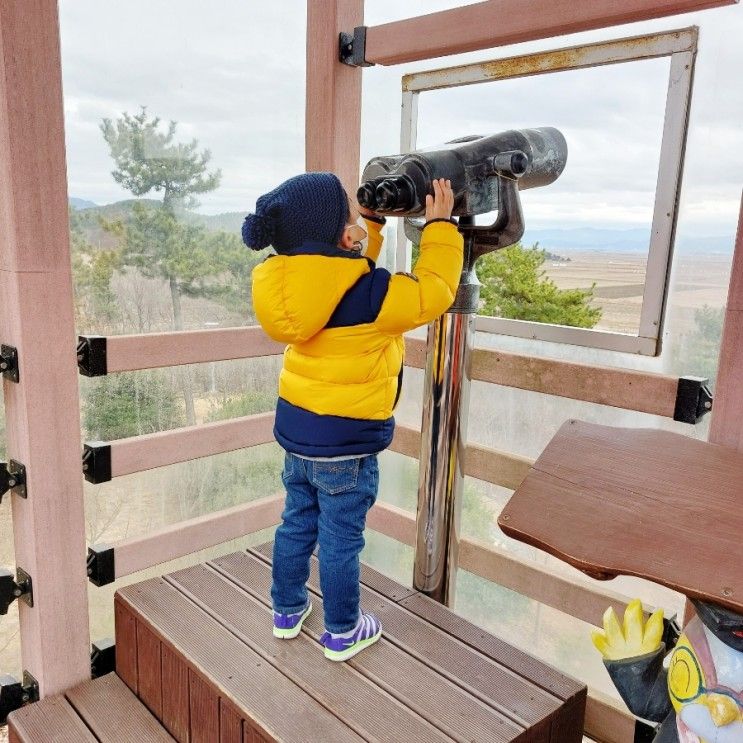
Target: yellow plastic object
<point x="631" y="639"/>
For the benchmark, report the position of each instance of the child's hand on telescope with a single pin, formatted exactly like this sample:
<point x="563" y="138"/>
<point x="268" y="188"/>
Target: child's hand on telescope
<point x="441" y="204"/>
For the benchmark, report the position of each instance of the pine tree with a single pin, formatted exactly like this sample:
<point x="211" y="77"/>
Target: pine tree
<point x="514" y="285"/>
<point x="155" y="241"/>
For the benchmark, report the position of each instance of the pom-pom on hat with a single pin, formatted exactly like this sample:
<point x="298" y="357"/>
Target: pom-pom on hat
<point x="312" y="207"/>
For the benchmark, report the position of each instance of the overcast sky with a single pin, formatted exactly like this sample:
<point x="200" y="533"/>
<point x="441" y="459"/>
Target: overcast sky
<point x="232" y="73"/>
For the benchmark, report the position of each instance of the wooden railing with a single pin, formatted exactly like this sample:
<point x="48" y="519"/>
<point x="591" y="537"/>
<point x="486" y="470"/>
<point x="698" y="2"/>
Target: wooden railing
<point x="583" y="599"/>
<point x="645" y="392"/>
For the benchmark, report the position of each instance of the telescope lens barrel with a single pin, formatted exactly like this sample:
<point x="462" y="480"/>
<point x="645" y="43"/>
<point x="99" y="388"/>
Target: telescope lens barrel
<point x="398" y="184"/>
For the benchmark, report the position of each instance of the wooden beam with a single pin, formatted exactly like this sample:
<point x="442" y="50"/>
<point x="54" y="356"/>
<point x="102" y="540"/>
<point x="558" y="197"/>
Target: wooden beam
<point x="607" y="720"/>
<point x="333" y="108"/>
<point x="497" y="467"/>
<point x="140" y="453"/>
<point x="153" y="350"/>
<point x="726" y="427"/>
<point x="491" y="465"/>
<point x="500" y="22"/>
<point x="186" y="537"/>
<point x="36" y="316"/>
<point x="645" y="392"/>
<point x="535" y="581"/>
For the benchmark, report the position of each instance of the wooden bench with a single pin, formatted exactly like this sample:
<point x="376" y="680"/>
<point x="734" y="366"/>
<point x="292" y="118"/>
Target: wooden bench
<point x="197" y="649"/>
<point x="103" y="710"/>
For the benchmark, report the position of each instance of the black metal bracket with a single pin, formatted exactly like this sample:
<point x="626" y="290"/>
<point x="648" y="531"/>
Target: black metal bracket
<point x="102" y="657"/>
<point x="97" y="461"/>
<point x="9" y="363"/>
<point x="13" y="478"/>
<point x="91" y="355"/>
<point x="352" y="48"/>
<point x="12" y="588"/>
<point x="101" y="564"/>
<point x="693" y="399"/>
<point x="14" y="694"/>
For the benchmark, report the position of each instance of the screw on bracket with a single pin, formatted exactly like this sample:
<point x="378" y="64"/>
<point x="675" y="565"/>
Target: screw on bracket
<point x="102" y="657"/>
<point x="92" y="355"/>
<point x="20" y="587"/>
<point x="693" y="400"/>
<point x="9" y="363"/>
<point x="14" y="694"/>
<point x="352" y="48"/>
<point x="13" y="478"/>
<point x="101" y="565"/>
<point x="97" y="461"/>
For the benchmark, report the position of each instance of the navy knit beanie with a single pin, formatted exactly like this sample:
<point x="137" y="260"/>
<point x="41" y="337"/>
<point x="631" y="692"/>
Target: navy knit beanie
<point x="312" y="207"/>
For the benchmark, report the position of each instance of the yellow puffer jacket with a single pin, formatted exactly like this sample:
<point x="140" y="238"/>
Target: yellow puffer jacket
<point x="343" y="321"/>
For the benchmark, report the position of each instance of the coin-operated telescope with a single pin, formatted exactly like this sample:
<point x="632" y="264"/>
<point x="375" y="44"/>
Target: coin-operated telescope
<point x="486" y="175"/>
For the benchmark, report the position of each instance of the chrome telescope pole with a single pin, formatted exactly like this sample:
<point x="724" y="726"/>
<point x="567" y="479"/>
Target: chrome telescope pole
<point x="444" y="435"/>
<point x="450" y="340"/>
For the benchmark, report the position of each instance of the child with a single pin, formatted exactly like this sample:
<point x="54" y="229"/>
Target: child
<point x="343" y="321"/>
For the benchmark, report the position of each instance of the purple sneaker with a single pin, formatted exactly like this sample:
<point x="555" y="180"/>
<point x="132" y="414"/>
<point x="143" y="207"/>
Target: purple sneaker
<point x="287" y="626"/>
<point x="367" y="632"/>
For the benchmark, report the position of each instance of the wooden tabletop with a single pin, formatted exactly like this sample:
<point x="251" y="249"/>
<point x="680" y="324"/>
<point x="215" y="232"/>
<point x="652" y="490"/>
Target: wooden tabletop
<point x="642" y="502"/>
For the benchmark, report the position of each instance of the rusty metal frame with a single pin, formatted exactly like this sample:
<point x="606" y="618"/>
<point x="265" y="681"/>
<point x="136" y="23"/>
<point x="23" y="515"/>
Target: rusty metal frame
<point x="681" y="46"/>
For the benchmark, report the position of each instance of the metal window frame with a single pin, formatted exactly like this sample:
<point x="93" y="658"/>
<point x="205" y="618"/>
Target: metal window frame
<point x="681" y="46"/>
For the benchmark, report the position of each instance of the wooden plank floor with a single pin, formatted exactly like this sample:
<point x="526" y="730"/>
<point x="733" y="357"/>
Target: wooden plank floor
<point x="103" y="711"/>
<point x="196" y="647"/>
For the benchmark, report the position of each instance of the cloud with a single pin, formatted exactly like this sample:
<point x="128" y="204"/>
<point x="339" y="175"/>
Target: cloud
<point x="233" y="75"/>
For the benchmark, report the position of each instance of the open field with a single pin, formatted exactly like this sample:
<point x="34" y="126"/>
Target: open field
<point x="698" y="280"/>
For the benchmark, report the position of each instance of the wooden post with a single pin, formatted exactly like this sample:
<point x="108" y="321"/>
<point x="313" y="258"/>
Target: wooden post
<point x="36" y="316"/>
<point x="333" y="111"/>
<point x="726" y="427"/>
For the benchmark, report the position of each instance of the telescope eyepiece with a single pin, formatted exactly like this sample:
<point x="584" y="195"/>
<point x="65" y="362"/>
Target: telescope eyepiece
<point x="395" y="194"/>
<point x="367" y="195"/>
<point x="512" y="163"/>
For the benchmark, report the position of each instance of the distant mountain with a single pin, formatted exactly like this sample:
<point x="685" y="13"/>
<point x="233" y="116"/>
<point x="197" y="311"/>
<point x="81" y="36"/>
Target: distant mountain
<point x="76" y="203"/>
<point x="229" y="221"/>
<point x="556" y="240"/>
<point x="619" y="241"/>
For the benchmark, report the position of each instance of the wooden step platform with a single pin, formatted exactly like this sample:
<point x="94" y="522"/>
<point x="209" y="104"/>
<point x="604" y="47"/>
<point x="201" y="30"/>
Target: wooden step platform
<point x="103" y="710"/>
<point x="196" y="647"/>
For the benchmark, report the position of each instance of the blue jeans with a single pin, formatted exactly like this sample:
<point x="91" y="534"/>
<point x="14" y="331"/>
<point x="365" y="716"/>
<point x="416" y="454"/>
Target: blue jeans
<point x="326" y="504"/>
